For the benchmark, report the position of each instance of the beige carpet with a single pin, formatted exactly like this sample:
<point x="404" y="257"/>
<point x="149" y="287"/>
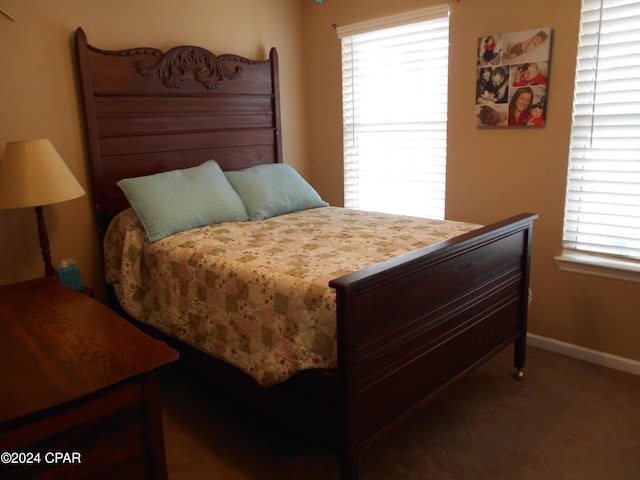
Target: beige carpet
<point x="567" y="420"/>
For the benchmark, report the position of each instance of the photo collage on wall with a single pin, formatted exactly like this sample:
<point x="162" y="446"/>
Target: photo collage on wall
<point x="512" y="78"/>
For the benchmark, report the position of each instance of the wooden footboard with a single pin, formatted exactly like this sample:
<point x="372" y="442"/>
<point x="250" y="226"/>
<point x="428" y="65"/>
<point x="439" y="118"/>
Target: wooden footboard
<point x="411" y="327"/>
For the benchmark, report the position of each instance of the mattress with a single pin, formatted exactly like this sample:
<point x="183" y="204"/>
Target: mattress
<point x="255" y="294"/>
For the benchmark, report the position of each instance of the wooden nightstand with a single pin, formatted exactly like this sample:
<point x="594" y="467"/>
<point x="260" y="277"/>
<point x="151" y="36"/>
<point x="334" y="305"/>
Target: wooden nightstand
<point x="79" y="396"/>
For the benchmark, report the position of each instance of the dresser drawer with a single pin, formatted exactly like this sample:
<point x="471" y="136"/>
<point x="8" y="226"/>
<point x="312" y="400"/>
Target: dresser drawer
<point x="105" y="436"/>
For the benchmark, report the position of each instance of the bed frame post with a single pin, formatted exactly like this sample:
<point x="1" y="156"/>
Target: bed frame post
<point x="520" y="345"/>
<point x="275" y="80"/>
<point x="83" y="66"/>
<point x="349" y="449"/>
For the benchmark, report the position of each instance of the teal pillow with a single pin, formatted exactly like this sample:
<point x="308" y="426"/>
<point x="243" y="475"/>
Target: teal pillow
<point x="179" y="200"/>
<point x="273" y="189"/>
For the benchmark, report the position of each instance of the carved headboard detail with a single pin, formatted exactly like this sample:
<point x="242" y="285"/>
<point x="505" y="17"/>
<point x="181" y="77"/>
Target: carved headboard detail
<point x="203" y="66"/>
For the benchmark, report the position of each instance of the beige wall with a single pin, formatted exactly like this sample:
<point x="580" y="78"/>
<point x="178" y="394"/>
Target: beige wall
<point x="38" y="95"/>
<point x="491" y="173"/>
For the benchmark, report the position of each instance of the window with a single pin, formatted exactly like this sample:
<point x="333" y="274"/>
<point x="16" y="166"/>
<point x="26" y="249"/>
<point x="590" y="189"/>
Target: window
<point x="602" y="211"/>
<point x="394" y="79"/>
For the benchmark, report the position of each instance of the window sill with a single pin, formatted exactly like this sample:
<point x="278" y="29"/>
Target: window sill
<point x="599" y="266"/>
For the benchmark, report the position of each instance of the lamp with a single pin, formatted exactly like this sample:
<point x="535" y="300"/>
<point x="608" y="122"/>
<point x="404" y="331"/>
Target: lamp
<point x="33" y="174"/>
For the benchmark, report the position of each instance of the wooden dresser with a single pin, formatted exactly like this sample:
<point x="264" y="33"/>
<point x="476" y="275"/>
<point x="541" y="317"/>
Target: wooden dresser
<point x="79" y="394"/>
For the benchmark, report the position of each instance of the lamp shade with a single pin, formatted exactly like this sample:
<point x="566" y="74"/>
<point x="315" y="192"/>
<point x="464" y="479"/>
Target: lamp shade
<point x="32" y="173"/>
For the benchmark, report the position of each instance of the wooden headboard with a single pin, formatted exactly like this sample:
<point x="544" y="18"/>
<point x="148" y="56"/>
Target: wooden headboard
<point x="148" y="111"/>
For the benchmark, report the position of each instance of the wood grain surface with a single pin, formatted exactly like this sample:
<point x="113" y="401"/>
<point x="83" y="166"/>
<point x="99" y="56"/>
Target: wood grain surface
<point x="58" y="345"/>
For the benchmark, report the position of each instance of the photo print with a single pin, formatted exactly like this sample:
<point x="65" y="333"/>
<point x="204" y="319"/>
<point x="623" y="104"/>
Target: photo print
<point x="512" y="78"/>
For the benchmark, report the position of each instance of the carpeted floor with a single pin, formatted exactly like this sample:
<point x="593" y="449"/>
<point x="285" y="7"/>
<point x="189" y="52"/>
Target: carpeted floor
<point x="567" y="420"/>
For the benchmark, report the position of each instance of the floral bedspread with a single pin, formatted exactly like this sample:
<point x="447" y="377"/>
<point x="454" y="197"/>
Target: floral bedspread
<point x="256" y="294"/>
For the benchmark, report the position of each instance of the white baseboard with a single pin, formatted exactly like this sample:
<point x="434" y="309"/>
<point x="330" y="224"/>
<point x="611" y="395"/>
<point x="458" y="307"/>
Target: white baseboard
<point x="594" y="356"/>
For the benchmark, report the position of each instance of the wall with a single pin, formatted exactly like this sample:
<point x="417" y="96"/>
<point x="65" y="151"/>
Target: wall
<point x="491" y="174"/>
<point x="39" y="97"/>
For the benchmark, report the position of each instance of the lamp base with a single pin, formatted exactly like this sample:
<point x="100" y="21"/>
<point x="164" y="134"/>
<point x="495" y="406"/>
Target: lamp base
<point x="44" y="243"/>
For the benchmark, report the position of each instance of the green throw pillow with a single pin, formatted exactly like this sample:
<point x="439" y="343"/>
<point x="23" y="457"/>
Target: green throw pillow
<point x="179" y="200"/>
<point x="273" y="189"/>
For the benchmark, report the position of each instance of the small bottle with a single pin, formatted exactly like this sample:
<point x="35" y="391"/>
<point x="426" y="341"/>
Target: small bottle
<point x="68" y="273"/>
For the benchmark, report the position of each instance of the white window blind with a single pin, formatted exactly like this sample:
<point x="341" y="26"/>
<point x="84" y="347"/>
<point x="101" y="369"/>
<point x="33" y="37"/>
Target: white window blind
<point x="602" y="211"/>
<point x="395" y="73"/>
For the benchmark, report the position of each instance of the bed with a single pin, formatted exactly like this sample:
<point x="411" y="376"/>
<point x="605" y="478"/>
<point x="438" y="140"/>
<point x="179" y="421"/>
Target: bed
<point x="406" y="329"/>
